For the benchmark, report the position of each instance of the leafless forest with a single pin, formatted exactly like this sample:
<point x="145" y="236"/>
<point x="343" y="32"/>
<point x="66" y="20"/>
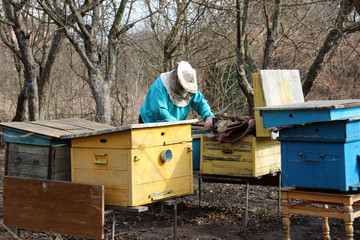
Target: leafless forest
<point x="97" y="59"/>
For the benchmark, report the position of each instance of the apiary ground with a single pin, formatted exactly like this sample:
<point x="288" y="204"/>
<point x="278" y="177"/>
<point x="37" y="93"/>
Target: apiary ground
<point x="220" y="215"/>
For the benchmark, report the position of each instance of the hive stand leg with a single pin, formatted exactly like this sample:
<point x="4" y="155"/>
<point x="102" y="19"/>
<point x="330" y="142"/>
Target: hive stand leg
<point x="113" y="219"/>
<point x="247" y="202"/>
<point x="286" y="218"/>
<point x="175" y="218"/>
<point x="349" y="229"/>
<point x="200" y="180"/>
<point x="325" y="226"/>
<point x="279" y="195"/>
<point x="113" y="226"/>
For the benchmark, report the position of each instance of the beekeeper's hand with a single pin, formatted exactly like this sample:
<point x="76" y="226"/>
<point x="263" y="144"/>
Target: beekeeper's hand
<point x="208" y="122"/>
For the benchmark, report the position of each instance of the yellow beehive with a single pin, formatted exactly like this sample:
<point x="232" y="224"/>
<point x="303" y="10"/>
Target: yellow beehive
<point x="138" y="164"/>
<point x="254" y="155"/>
<point x="249" y="157"/>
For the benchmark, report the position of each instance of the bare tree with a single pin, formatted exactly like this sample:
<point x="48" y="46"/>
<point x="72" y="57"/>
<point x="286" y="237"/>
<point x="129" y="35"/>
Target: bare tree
<point x="173" y="28"/>
<point x="241" y="26"/>
<point x="99" y="57"/>
<point x="330" y="44"/>
<point x="29" y="39"/>
<point x="356" y="4"/>
<point x="244" y="57"/>
<point x="271" y="34"/>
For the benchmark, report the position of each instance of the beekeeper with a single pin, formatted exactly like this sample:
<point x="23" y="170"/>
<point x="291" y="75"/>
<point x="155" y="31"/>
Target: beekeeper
<point x="172" y="95"/>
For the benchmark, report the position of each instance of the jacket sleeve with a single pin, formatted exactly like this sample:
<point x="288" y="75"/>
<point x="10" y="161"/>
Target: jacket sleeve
<point x="201" y="106"/>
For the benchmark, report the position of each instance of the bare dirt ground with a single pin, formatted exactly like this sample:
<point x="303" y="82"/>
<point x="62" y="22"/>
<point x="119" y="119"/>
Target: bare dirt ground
<point x="219" y="216"/>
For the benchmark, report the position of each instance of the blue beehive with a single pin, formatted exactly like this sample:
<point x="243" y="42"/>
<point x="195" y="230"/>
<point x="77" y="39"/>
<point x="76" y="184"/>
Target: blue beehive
<point x="324" y="155"/>
<point x="320" y="148"/>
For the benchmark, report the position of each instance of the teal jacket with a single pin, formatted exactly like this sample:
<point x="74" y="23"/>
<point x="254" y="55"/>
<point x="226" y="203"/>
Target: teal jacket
<point x="158" y="106"/>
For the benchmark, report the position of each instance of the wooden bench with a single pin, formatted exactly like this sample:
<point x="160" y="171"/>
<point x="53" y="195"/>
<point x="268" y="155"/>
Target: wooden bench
<point x="313" y="203"/>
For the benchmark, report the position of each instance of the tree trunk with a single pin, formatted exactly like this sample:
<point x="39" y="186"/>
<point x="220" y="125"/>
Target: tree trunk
<point x="330" y="44"/>
<point x="240" y="56"/>
<point x="29" y="70"/>
<point x="356" y="4"/>
<point x="272" y="35"/>
<point x="20" y="106"/>
<point x="101" y="92"/>
<point x="47" y="68"/>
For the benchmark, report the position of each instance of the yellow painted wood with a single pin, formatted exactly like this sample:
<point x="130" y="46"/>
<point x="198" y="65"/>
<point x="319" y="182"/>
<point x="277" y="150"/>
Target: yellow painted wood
<point x="109" y="178"/>
<point x="111" y="140"/>
<point x="150" y="168"/>
<point x="128" y="164"/>
<point x="179" y="186"/>
<point x="259" y="102"/>
<point x="137" y="138"/>
<point x="117" y="197"/>
<point x="85" y="159"/>
<point x="249" y="157"/>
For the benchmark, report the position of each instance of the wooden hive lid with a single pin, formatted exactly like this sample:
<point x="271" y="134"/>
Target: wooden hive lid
<point x="124" y="128"/>
<point x="319" y="104"/>
<point x="56" y="128"/>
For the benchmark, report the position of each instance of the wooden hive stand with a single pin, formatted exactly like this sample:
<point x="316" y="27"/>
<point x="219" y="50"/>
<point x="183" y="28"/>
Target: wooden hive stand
<point x="313" y="203"/>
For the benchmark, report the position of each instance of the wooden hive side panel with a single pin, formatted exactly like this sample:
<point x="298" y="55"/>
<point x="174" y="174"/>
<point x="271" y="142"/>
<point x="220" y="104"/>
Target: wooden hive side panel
<point x="259" y="102"/>
<point x="120" y="139"/>
<point x="159" y="136"/>
<point x="108" y="167"/>
<point x="232" y="159"/>
<point x="43" y="162"/>
<point x="267" y="156"/>
<point x="61" y="164"/>
<point x="153" y="179"/>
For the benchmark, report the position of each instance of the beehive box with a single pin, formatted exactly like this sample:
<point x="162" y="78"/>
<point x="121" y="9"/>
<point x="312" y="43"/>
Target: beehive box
<point x="320" y="145"/>
<point x="254" y="155"/>
<point x="35" y="150"/>
<point x="249" y="157"/>
<point x="138" y="163"/>
<point x="322" y="155"/>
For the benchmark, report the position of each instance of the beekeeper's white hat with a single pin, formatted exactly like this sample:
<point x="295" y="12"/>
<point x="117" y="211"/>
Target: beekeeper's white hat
<point x="187" y="77"/>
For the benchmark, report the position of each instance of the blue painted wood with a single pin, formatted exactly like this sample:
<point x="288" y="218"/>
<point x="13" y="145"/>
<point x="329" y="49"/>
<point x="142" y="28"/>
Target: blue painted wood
<point x="196" y="144"/>
<point x="334" y="131"/>
<point x="323" y="155"/>
<point x="12" y="135"/>
<point x="309" y="112"/>
<point x="278" y="118"/>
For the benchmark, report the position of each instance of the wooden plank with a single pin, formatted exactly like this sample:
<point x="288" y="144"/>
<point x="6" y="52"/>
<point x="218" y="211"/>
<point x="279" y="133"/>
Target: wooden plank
<point x="328" y="198"/>
<point x="137" y="209"/>
<point x="54" y="206"/>
<point x="61" y="125"/>
<point x="320" y="104"/>
<point x="56" y="128"/>
<point x="281" y="87"/>
<point x="321" y="212"/>
<point x="259" y="101"/>
<point x="33" y="128"/>
<point x="85" y="124"/>
<point x="127" y="127"/>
